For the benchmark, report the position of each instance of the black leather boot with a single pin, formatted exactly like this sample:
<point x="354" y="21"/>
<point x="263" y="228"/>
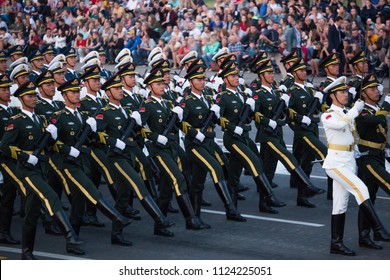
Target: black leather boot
<point x="28" y="240"/>
<point x="159" y="228"/>
<point x="380" y="233"/>
<point x="265" y="190"/>
<point x="230" y="210"/>
<point x="192" y="222"/>
<point x="172" y="209"/>
<point x="160" y="220"/>
<point x="113" y="191"/>
<point x="117" y="237"/>
<point x="364" y="233"/>
<point x="93" y="219"/>
<point x="206" y="203"/>
<point x="302" y="200"/>
<point x="329" y="193"/>
<point x="49" y="224"/>
<point x="264" y="207"/>
<point x="109" y="211"/>
<point x="131" y="213"/>
<point x="72" y="240"/>
<point x="242" y="188"/>
<point x="5" y="226"/>
<point x="196" y="201"/>
<point x="310" y="189"/>
<point x="337" y="246"/>
<point x="152" y="188"/>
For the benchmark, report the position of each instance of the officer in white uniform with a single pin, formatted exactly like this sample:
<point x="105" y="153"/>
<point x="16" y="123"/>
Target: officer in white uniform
<point x="340" y="165"/>
<point x="19" y="76"/>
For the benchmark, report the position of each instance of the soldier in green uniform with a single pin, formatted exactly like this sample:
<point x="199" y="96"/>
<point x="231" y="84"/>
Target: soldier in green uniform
<point x="36" y="63"/>
<point x="71" y="123"/>
<point x="372" y="127"/>
<point x="287" y="61"/>
<point x="104" y="73"/>
<point x="71" y="60"/>
<point x="360" y="65"/>
<point x="306" y="134"/>
<point x="112" y="120"/>
<point x="15" y="52"/>
<point x="57" y="69"/>
<point x="8" y="168"/>
<point x="200" y="145"/>
<point x="331" y="65"/>
<point x="3" y="62"/>
<point x="20" y="142"/>
<point x="164" y="148"/>
<point x="260" y="58"/>
<point x="48" y="53"/>
<point x="243" y="150"/>
<point x="270" y="131"/>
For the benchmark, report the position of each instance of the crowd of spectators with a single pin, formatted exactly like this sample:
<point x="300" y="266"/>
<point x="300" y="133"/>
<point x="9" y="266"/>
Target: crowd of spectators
<point x="178" y="27"/>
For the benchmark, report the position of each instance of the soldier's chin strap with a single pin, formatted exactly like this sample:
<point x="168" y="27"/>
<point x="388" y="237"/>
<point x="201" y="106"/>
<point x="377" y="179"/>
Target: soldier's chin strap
<point x="266" y="79"/>
<point x="367" y="97"/>
<point x="22" y="101"/>
<point x="112" y="96"/>
<point x="192" y="85"/>
<point x="124" y="81"/>
<point x="67" y="98"/>
<point x="227" y="81"/>
<point x="89" y="86"/>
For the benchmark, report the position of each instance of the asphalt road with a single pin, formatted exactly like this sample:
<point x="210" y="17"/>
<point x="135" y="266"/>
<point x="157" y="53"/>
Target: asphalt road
<point x="295" y="233"/>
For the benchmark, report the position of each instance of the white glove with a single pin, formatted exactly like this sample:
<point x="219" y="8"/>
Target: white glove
<point x="52" y="129"/>
<point x="241" y="81"/>
<point x="359" y="105"/>
<point x="251" y="102"/>
<point x="137" y="117"/>
<point x="179" y="90"/>
<point x="309" y="85"/>
<point x="179" y="99"/>
<point x="120" y="144"/>
<point x="179" y="111"/>
<point x="306" y="120"/>
<point x="352" y="91"/>
<point x="387" y="98"/>
<point x="272" y="124"/>
<point x="248" y="91"/>
<point x="387" y="153"/>
<point x="283" y="88"/>
<point x="216" y="109"/>
<point x="356" y="152"/>
<point x="162" y="140"/>
<point x="92" y="123"/>
<point x="238" y="130"/>
<point x="33" y="160"/>
<point x="74" y="152"/>
<point x="380" y="88"/>
<point x="285" y="98"/>
<point x="200" y="136"/>
<point x="319" y="95"/>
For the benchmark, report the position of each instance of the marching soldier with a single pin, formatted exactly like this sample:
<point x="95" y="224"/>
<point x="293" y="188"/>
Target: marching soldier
<point x="71" y="60"/>
<point x="36" y="63"/>
<point x="372" y="127"/>
<point x="270" y="132"/>
<point x="19" y="76"/>
<point x="48" y="53"/>
<point x="259" y="59"/>
<point x="15" y="52"/>
<point x="104" y="73"/>
<point x="8" y="168"/>
<point x="19" y="142"/>
<point x="196" y="110"/>
<point x="340" y="165"/>
<point x="331" y="65"/>
<point x="219" y="57"/>
<point x="3" y="62"/>
<point x="71" y="123"/>
<point x="306" y="134"/>
<point x="288" y="61"/>
<point x="243" y="150"/>
<point x="57" y="69"/>
<point x="112" y="121"/>
<point x="164" y="148"/>
<point x="360" y="65"/>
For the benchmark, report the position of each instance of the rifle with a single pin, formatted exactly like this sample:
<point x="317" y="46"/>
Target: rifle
<point x="168" y="128"/>
<point x="207" y="123"/>
<point x="243" y="118"/>
<point x="277" y="113"/>
<point x="126" y="132"/>
<point x="41" y="144"/>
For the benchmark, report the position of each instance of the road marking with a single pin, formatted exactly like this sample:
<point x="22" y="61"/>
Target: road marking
<point x="42" y="254"/>
<point x="268" y="219"/>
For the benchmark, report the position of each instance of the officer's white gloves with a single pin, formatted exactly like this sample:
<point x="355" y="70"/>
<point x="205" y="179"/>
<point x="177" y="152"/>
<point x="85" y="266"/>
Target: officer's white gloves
<point x="92" y="123"/>
<point x="285" y="98"/>
<point x="272" y="124"/>
<point x="216" y="109"/>
<point x="319" y="95"/>
<point x="200" y="136"/>
<point x="52" y="129"/>
<point x="120" y="144"/>
<point x="306" y="120"/>
<point x="137" y="117"/>
<point x="387" y="153"/>
<point x="179" y="99"/>
<point x="74" y="152"/>
<point x="356" y="152"/>
<point x="179" y="111"/>
<point x="33" y="160"/>
<point x="359" y="105"/>
<point x="387" y="98"/>
<point x="248" y="91"/>
<point x="162" y="140"/>
<point x="380" y="88"/>
<point x="238" y="130"/>
<point x="251" y="103"/>
<point x="309" y="84"/>
<point x="283" y="88"/>
<point x="352" y="91"/>
<point x="179" y="90"/>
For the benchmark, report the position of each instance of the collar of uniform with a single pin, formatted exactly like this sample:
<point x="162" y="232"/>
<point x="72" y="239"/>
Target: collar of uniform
<point x="196" y="95"/>
<point x="129" y="92"/>
<point x="71" y="110"/>
<point x="267" y="88"/>
<point x="375" y="108"/>
<point x="28" y="113"/>
<point x="71" y="70"/>
<point x="330" y="78"/>
<point x="47" y="100"/>
<point x="116" y="106"/>
<point x="300" y="85"/>
<point x="289" y="74"/>
<point x="232" y="91"/>
<point x="338" y="109"/>
<point x="93" y="97"/>
<point x="159" y="100"/>
<point x="5" y="107"/>
<point x="357" y="75"/>
<point x="36" y="72"/>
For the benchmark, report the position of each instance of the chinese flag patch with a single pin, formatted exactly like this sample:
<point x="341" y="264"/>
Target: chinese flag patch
<point x="142" y="109"/>
<point x="364" y="113"/>
<point x="78" y="105"/>
<point x="255" y="97"/>
<point x="53" y="121"/>
<point x="9" y="127"/>
<point x="328" y="117"/>
<point x="99" y="117"/>
<point x="217" y="100"/>
<point x="183" y="105"/>
<point x="253" y="85"/>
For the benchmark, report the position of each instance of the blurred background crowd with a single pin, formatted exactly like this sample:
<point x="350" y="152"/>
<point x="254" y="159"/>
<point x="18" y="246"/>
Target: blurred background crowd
<point x="178" y="27"/>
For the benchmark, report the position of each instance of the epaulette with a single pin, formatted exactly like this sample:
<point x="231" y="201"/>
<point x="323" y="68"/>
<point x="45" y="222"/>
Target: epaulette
<point x="228" y="92"/>
<point x="61" y="112"/>
<point x="20" y="115"/>
<point x="108" y="107"/>
<point x="40" y="101"/>
<point x="149" y="101"/>
<point x="85" y="98"/>
<point x="190" y="97"/>
<point x="294" y="86"/>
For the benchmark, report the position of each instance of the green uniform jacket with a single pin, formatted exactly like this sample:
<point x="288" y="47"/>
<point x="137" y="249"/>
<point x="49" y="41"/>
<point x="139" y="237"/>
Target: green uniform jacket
<point x="89" y="106"/>
<point x="47" y="110"/>
<point x="131" y="102"/>
<point x="299" y="107"/>
<point x="288" y="81"/>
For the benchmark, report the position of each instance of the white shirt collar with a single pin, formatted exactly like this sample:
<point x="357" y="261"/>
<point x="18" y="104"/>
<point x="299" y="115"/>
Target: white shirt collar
<point x="28" y="113"/>
<point x="371" y="106"/>
<point x="128" y="92"/>
<point x="333" y="79"/>
<point x="71" y="110"/>
<point x="5" y="107"/>
<point x="337" y="108"/>
<point x="267" y="88"/>
<point x="159" y="100"/>
<point x="300" y="85"/>
<point x="47" y="100"/>
<point x="116" y="106"/>
<point x="197" y="95"/>
<point x="92" y="96"/>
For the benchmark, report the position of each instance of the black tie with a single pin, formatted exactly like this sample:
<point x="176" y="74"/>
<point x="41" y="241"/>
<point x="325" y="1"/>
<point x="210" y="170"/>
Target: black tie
<point x="99" y="102"/>
<point x="345" y="111"/>
<point x="204" y="101"/>
<point x="55" y="105"/>
<point x="36" y="120"/>
<point x="77" y="115"/>
<point x="9" y="110"/>
<point x="123" y="112"/>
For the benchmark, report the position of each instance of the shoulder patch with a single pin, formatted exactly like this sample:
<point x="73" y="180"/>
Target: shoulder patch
<point x="9" y="127"/>
<point x="99" y="116"/>
<point x="328" y="116"/>
<point x="142" y="109"/>
<point x="17" y="116"/>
